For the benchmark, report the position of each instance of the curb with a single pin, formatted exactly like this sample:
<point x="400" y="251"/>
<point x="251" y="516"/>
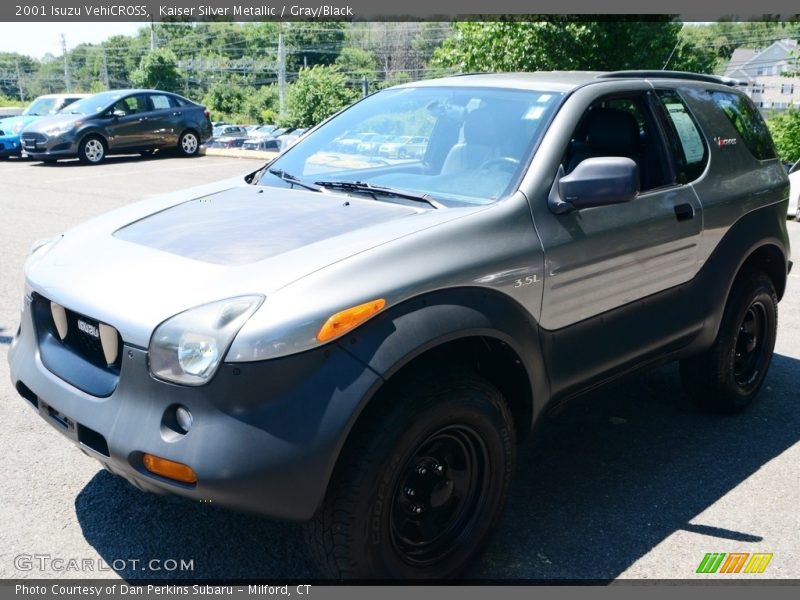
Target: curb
<point x="236" y="153"/>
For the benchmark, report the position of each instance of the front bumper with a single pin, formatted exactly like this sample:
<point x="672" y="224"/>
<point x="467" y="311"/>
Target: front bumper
<point x="63" y="146"/>
<point x="265" y="436"/>
<point x="10" y="146"/>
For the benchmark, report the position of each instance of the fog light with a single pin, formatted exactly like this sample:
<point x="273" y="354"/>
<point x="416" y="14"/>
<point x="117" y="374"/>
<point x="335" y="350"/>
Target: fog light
<point x="169" y="469"/>
<point x="184" y="418"/>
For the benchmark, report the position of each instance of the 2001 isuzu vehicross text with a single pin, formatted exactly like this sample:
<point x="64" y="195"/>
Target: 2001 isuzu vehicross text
<point x="360" y="340"/>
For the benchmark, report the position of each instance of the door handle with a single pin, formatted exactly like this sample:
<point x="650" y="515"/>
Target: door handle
<point x="177" y="114"/>
<point x="684" y="212"/>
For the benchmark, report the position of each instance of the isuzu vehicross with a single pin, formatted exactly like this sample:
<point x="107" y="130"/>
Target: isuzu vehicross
<point x="360" y="342"/>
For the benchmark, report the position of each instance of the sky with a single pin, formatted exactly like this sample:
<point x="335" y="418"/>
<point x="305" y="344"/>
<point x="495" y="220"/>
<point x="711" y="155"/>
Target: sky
<point x="37" y="39"/>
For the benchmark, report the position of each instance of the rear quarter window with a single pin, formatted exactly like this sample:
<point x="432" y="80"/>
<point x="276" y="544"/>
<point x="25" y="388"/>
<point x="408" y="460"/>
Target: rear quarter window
<point x="744" y="116"/>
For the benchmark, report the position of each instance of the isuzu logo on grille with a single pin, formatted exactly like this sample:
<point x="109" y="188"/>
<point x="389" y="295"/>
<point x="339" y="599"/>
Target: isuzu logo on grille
<point x="89" y="329"/>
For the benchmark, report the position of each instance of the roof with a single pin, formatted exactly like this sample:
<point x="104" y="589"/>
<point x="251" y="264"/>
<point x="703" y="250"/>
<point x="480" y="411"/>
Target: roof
<point x="559" y="81"/>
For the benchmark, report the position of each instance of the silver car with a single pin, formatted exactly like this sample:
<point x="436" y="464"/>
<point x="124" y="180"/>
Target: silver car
<point x="362" y="345"/>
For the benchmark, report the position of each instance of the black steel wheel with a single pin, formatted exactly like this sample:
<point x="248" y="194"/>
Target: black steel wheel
<point x="421" y="484"/>
<point x="728" y="376"/>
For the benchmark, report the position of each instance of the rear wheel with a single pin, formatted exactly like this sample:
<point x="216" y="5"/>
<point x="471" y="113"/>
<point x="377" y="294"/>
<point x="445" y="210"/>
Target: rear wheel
<point x="92" y="150"/>
<point x="188" y="143"/>
<point x="729" y="375"/>
<point x="421" y="486"/>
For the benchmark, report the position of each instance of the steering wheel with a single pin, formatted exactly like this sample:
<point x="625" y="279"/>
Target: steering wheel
<point x="508" y="163"/>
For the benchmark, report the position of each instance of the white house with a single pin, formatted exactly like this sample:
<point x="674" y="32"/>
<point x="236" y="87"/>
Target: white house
<point x="765" y="74"/>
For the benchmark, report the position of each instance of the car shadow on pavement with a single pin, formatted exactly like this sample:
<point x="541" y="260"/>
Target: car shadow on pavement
<point x="107" y="161"/>
<point x="605" y="480"/>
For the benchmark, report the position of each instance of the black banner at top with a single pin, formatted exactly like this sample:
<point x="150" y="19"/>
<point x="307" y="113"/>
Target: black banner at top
<point x="346" y="10"/>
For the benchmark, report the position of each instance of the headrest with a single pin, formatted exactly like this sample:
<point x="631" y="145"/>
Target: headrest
<point x="480" y="127"/>
<point x="612" y="132"/>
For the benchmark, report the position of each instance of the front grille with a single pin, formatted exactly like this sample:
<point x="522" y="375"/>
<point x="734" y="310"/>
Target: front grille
<point x="30" y="136"/>
<point x="78" y="356"/>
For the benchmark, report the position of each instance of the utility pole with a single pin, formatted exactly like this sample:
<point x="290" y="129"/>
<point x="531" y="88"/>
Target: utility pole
<point x="364" y="86"/>
<point x="152" y="34"/>
<point x="67" y="79"/>
<point x="105" y="69"/>
<point x="19" y="85"/>
<point x="281" y="72"/>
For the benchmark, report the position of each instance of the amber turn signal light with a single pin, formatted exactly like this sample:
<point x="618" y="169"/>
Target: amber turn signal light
<point x="169" y="469"/>
<point x="344" y="321"/>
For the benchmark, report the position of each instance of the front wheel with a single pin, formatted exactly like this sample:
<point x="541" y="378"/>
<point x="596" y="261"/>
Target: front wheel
<point x="188" y="144"/>
<point x="92" y="150"/>
<point x="729" y="375"/>
<point x="422" y="485"/>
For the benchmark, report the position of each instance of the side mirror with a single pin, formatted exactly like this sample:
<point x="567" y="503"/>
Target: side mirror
<point x="596" y="182"/>
<point x="118" y="113"/>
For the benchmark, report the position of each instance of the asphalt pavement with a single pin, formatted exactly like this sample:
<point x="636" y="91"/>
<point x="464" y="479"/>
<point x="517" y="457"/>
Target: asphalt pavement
<point x="630" y="481"/>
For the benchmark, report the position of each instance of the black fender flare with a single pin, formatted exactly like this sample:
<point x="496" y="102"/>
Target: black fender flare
<point x="407" y="330"/>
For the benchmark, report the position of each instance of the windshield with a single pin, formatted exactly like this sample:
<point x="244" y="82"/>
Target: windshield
<point x="92" y="105"/>
<point x="458" y="145"/>
<point x="41" y="107"/>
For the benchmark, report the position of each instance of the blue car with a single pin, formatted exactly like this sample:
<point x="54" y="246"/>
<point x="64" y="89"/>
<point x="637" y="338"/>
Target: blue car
<point x="43" y="106"/>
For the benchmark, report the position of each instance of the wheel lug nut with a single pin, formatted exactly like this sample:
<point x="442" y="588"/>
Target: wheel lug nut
<point x="421" y="470"/>
<point x="416" y="509"/>
<point x="409" y="491"/>
<point x="439" y="469"/>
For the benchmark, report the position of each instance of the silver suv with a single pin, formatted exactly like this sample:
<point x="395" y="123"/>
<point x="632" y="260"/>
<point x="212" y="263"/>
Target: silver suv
<point x="361" y="341"/>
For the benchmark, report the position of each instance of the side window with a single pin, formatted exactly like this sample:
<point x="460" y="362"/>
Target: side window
<point x="131" y="105"/>
<point x="622" y="126"/>
<point x="160" y="101"/>
<point x="686" y="142"/>
<point x="747" y="121"/>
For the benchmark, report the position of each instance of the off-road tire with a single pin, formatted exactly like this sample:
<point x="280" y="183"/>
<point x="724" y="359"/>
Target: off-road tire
<point x="716" y="380"/>
<point x="352" y="536"/>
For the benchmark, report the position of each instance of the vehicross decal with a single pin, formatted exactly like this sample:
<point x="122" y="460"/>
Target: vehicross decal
<point x="725" y="142"/>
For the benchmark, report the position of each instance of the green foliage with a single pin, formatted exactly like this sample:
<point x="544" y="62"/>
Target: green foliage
<point x="158" y="69"/>
<point x="7" y="101"/>
<point x="262" y="105"/>
<point x="225" y="100"/>
<point x="357" y="64"/>
<point x="317" y="94"/>
<point x="312" y="43"/>
<point x="785" y="129"/>
<point x="559" y="43"/>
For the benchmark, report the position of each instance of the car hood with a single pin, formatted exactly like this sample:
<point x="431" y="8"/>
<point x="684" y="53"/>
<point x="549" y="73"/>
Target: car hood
<point x="14" y="125"/>
<point x="42" y="123"/>
<point x="139" y="265"/>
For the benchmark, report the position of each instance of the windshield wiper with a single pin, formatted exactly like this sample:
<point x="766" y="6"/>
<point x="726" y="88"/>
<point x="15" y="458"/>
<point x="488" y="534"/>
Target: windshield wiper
<point x="291" y="179"/>
<point x="374" y="190"/>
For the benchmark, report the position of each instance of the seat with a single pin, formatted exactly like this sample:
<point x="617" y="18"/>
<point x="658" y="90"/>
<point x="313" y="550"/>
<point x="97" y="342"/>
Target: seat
<point x="479" y="143"/>
<point x="609" y="132"/>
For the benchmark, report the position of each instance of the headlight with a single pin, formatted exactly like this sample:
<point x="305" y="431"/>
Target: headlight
<point x="60" y="129"/>
<point x="189" y="347"/>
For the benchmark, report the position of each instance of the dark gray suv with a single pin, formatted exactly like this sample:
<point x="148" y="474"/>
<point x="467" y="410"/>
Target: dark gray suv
<point x="119" y="122"/>
<point x="360" y="342"/>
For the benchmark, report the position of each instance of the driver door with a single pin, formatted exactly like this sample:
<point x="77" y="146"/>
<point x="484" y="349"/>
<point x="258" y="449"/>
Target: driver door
<point x="129" y="127"/>
<point x="613" y="273"/>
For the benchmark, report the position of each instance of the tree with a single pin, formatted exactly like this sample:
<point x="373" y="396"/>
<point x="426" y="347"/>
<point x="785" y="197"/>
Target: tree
<point x="262" y="106"/>
<point x="785" y="129"/>
<point x="357" y="64"/>
<point x="560" y="43"/>
<point x="317" y="94"/>
<point x="158" y="69"/>
<point x="225" y="100"/>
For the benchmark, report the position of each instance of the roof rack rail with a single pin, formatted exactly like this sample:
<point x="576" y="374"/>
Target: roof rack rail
<point x="670" y="75"/>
